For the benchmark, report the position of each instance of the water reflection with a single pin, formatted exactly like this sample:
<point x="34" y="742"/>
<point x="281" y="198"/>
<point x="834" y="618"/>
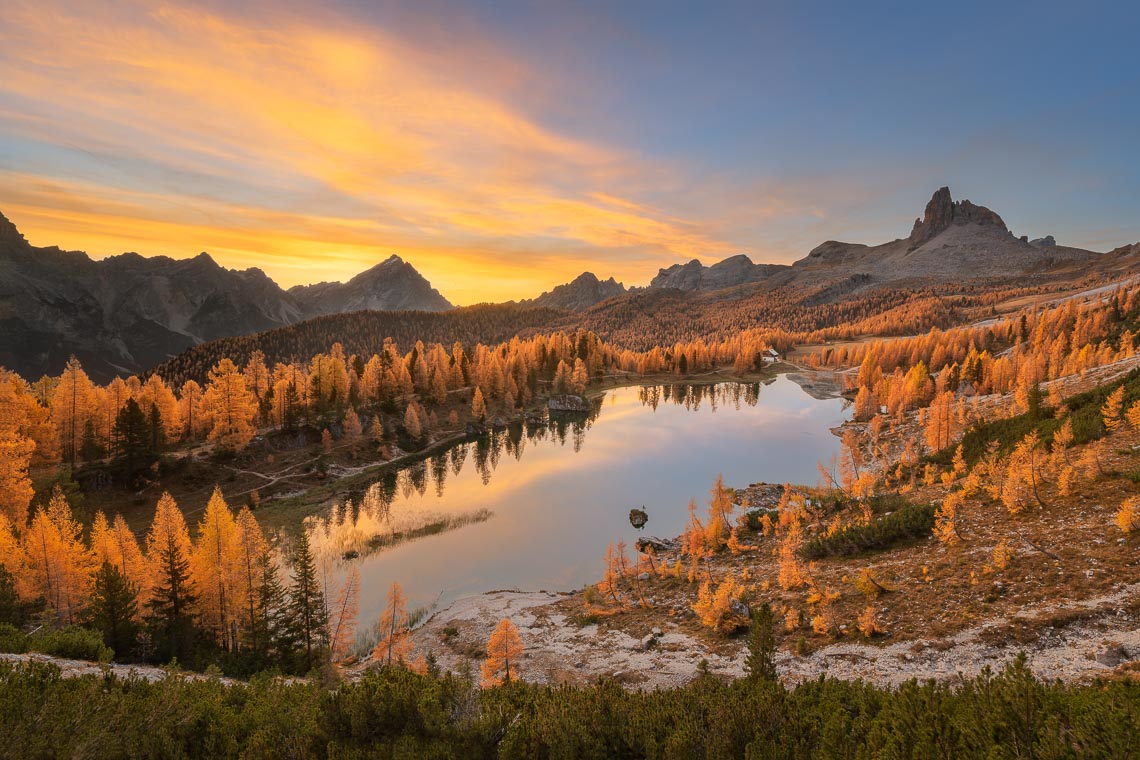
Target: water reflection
<point x="481" y="515"/>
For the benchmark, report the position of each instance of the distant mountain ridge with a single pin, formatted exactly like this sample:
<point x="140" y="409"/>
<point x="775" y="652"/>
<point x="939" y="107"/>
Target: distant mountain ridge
<point x="579" y="294"/>
<point x="127" y="313"/>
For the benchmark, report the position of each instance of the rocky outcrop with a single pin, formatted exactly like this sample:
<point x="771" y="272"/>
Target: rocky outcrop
<point x="567" y="402"/>
<point x="1043" y="242"/>
<point x="733" y="271"/>
<point x="581" y="293"/>
<point x="942" y="212"/>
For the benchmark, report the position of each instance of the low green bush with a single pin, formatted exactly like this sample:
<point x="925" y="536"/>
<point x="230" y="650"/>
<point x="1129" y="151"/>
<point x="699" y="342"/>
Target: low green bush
<point x="910" y="522"/>
<point x="73" y="643"/>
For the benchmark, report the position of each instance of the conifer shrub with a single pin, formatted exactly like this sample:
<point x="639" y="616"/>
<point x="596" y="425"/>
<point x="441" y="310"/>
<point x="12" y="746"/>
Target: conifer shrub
<point x="911" y="522"/>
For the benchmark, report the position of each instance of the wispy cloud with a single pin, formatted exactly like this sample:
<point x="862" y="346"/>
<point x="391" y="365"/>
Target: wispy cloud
<point x="308" y="151"/>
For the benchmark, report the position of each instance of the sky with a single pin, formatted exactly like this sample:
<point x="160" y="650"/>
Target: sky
<point x="505" y="147"/>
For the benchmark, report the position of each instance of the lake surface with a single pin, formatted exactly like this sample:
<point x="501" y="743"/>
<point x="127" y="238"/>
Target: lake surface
<point x="541" y="503"/>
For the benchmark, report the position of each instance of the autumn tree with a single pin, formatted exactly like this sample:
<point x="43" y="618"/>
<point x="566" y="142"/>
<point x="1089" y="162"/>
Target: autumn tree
<point x="714" y="608"/>
<point x="59" y="564"/>
<point x="1111" y="411"/>
<point x="352" y="431"/>
<point x="342" y="620"/>
<point x="504" y="649"/>
<point x="72" y="405"/>
<point x="478" y="405"/>
<point x="170" y="607"/>
<point x="395" y="642"/>
<point x="1128" y="516"/>
<point x="249" y="546"/>
<point x="1133" y="415"/>
<point x="16" y="490"/>
<point x="214" y="569"/>
<point x="230" y="406"/>
<point x="1024" y="474"/>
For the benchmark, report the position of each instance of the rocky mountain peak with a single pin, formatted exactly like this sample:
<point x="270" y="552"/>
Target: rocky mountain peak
<point x="581" y="293"/>
<point x="10" y="237"/>
<point x="942" y="211"/>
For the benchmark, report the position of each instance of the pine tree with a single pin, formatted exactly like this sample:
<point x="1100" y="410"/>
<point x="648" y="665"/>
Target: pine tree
<point x="269" y="634"/>
<point x="170" y="609"/>
<point x="504" y="649"/>
<point x="11" y="608"/>
<point x="761" y="662"/>
<point x="308" y="617"/>
<point x="114" y="609"/>
<point x="131" y="438"/>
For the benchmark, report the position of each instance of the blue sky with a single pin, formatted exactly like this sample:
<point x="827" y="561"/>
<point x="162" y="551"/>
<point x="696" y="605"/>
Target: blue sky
<point x="505" y="147"/>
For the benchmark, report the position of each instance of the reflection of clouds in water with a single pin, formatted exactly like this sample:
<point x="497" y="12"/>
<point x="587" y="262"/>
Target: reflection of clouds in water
<point x="560" y="493"/>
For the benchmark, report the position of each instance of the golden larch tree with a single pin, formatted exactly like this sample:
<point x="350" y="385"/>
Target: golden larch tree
<point x="1112" y="409"/>
<point x="214" y="568"/>
<point x="60" y="566"/>
<point x="16" y="490"/>
<point x="342" y="622"/>
<point x="250" y="547"/>
<point x="395" y="642"/>
<point x="72" y="405"/>
<point x="230" y="406"/>
<point x="1128" y="516"/>
<point x="504" y="649"/>
<point x="13" y="560"/>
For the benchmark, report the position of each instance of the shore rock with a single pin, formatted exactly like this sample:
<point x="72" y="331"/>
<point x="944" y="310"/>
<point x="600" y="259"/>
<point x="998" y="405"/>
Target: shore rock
<point x="567" y="402"/>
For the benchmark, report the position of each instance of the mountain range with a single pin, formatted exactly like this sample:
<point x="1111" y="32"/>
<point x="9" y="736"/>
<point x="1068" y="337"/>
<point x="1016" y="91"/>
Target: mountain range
<point x="126" y="313"/>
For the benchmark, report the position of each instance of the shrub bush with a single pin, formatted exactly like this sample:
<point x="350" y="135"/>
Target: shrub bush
<point x="912" y="521"/>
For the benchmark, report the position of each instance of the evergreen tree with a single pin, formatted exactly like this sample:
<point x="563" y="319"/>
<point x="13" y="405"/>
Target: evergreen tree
<point x="761" y="662"/>
<point x="90" y="450"/>
<point x="171" y="617"/>
<point x="114" y="606"/>
<point x="131" y="438"/>
<point x="308" y="616"/>
<point x="11" y="609"/>
<point x="269" y="635"/>
<point x="157" y="431"/>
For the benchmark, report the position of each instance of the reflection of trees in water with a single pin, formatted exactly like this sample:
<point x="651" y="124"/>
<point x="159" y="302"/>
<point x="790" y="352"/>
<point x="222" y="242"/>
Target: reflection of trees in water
<point x="692" y="396"/>
<point x="374" y="506"/>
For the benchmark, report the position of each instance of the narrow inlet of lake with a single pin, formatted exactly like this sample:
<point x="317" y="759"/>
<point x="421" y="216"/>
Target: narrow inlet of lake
<point x="534" y="507"/>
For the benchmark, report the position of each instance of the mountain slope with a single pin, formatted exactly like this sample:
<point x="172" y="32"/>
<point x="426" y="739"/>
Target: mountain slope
<point x="391" y="285"/>
<point x="581" y="293"/>
<point x="953" y="239"/>
<point x="733" y="271"/>
<point x="127" y="313"/>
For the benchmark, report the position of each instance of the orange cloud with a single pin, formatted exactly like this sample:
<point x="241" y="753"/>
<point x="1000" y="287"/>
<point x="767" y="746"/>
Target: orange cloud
<point x="310" y="152"/>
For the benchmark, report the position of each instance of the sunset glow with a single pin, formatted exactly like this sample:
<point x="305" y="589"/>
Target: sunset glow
<point x="315" y="144"/>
